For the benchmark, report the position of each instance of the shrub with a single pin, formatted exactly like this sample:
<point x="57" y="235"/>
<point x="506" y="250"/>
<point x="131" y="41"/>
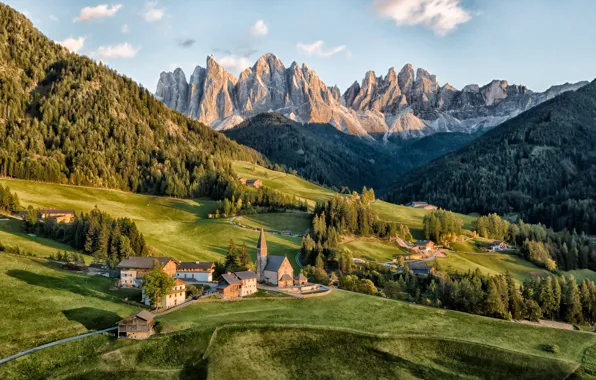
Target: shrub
<point x="552" y="348"/>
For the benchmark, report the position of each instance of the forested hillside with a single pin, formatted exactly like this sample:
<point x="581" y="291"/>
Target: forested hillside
<point x="64" y="118"/>
<point x="540" y="166"/>
<point x="318" y="152"/>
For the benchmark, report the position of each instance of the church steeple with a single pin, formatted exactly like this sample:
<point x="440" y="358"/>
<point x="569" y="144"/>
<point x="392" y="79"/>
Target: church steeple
<point x="261" y="256"/>
<point x="262" y="244"/>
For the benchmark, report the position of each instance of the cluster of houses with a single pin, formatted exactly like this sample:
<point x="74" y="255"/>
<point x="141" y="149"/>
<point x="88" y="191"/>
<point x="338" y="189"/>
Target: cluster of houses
<point x="59" y="216"/>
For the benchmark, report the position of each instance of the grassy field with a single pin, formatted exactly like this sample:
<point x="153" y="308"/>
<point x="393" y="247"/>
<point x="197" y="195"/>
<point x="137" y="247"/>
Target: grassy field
<point x="492" y="264"/>
<point x="410" y="216"/>
<point x="284" y="183"/>
<point x="342" y="335"/>
<point x="373" y="249"/>
<point x="174" y="227"/>
<point x="41" y="303"/>
<point x="297" y="222"/>
<point x="466" y="246"/>
<point x="11" y="235"/>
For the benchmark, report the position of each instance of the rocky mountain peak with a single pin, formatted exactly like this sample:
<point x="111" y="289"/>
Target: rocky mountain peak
<point x="410" y="103"/>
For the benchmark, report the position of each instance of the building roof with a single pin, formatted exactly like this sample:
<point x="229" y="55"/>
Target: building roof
<point x="179" y="282"/>
<point x="230" y="278"/>
<point x="286" y="277"/>
<point x="301" y="277"/>
<point x="55" y="211"/>
<point x="203" y="265"/>
<point x="262" y="243"/>
<point x="274" y="263"/>
<point x="245" y="275"/>
<point x="423" y="242"/>
<point x="145" y="262"/>
<point x="143" y="314"/>
<point x="252" y="180"/>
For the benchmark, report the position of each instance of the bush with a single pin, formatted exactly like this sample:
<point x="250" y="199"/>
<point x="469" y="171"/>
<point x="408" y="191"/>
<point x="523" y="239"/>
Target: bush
<point x="552" y="348"/>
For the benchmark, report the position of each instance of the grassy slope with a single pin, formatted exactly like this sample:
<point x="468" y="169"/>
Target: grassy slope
<point x="297" y="222"/>
<point x="41" y="303"/>
<point x="407" y="341"/>
<point x="492" y="264"/>
<point x="285" y="183"/>
<point x="373" y="249"/>
<point x="410" y="216"/>
<point x="175" y="227"/>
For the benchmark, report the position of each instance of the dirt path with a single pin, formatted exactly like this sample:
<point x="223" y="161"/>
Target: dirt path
<point x="32" y="350"/>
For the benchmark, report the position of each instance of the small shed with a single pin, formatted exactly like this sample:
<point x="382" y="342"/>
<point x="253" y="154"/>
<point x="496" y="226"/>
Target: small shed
<point x="137" y="326"/>
<point x="300" y="280"/>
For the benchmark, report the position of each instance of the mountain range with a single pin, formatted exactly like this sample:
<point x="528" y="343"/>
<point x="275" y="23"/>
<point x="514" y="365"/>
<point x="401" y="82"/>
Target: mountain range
<point x="405" y="104"/>
<point x="539" y="166"/>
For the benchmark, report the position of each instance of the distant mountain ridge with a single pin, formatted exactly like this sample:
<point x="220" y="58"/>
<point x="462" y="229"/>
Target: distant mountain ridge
<point x="540" y="166"/>
<point x="406" y="104"/>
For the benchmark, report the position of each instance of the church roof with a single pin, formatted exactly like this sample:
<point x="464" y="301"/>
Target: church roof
<point x="274" y="263"/>
<point x="262" y="243"/>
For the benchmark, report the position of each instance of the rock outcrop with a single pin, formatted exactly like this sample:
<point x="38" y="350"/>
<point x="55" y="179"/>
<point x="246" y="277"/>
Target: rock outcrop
<point x="408" y="104"/>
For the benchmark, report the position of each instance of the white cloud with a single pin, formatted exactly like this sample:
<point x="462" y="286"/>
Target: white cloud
<point x="259" y="29"/>
<point x="124" y="50"/>
<point x="317" y="49"/>
<point x="442" y="16"/>
<point x="234" y="63"/>
<point x="100" y="11"/>
<point x="54" y="18"/>
<point x="73" y="44"/>
<point x="124" y="28"/>
<point x="153" y="14"/>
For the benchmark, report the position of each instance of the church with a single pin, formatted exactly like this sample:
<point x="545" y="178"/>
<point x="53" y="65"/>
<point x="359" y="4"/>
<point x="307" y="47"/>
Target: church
<point x="274" y="270"/>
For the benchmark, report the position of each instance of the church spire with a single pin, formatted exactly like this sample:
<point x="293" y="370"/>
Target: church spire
<point x="262" y="244"/>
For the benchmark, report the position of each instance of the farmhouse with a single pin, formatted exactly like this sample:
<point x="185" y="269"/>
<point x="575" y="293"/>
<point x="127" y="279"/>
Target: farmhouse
<point x="137" y="326"/>
<point x="499" y="246"/>
<point x="257" y="183"/>
<point x="421" y="269"/>
<point x="196" y="270"/>
<point x="424" y="246"/>
<point x="422" y="205"/>
<point x="133" y="269"/>
<point x="59" y="216"/>
<point x="242" y="180"/>
<point x="274" y="270"/>
<point x="238" y="284"/>
<point x="176" y="296"/>
<point x="229" y="286"/>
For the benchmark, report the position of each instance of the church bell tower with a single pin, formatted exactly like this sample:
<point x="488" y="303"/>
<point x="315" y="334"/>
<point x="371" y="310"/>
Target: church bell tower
<point x="261" y="256"/>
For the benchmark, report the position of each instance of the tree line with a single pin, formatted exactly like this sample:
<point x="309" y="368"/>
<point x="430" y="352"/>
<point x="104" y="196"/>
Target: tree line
<point x="9" y="201"/>
<point x="109" y="240"/>
<point x="244" y="201"/>
<point x="441" y="226"/>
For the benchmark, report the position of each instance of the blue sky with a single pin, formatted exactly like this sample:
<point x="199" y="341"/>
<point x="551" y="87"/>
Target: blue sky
<point x="537" y="43"/>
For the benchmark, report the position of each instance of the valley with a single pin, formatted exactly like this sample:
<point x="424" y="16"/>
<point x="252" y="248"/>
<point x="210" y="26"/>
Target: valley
<point x="267" y="225"/>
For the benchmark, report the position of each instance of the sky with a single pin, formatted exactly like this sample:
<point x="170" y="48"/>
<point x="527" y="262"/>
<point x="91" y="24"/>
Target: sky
<point x="537" y="43"/>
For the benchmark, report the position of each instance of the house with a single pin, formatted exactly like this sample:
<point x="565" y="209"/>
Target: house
<point x="59" y="216"/>
<point x="249" y="282"/>
<point x="499" y="246"/>
<point x="176" y="296"/>
<point x="242" y="180"/>
<point x="300" y="280"/>
<point x="133" y="269"/>
<point x="257" y="183"/>
<point x="424" y="246"/>
<point x="422" y="205"/>
<point x="137" y="326"/>
<point x="196" y="270"/>
<point x="274" y="270"/>
<point x="229" y="286"/>
<point x="421" y="269"/>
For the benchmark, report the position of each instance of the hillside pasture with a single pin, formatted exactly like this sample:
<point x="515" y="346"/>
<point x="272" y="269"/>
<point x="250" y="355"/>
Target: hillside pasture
<point x="373" y="249"/>
<point x="41" y="303"/>
<point x="296" y="222"/>
<point x="179" y="228"/>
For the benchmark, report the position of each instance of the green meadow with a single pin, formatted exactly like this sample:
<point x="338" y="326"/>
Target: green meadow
<point x="296" y="222"/>
<point x="342" y="335"/>
<point x="179" y="228"/>
<point x="41" y="303"/>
